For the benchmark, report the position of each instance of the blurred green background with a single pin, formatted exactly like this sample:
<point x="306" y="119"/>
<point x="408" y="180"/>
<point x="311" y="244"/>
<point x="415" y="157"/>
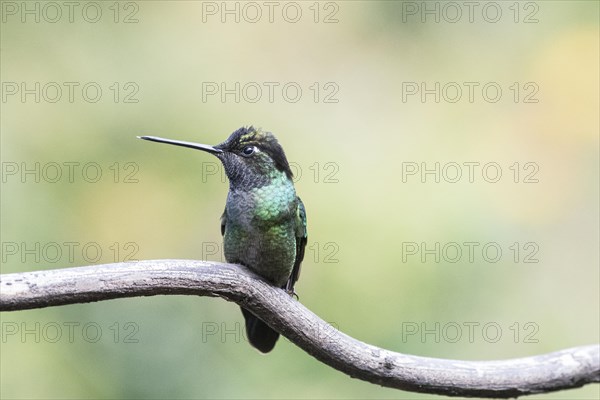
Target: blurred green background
<point x="351" y="132"/>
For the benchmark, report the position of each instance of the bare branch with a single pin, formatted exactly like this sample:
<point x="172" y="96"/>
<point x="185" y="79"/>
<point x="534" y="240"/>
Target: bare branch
<point x="564" y="369"/>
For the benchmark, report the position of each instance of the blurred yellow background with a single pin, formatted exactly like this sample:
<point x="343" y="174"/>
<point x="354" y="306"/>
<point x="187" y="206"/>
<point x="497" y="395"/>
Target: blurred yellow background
<point x="366" y="97"/>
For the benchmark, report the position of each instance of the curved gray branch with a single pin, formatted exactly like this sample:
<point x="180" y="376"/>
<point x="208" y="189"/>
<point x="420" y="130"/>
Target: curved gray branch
<point x="563" y="369"/>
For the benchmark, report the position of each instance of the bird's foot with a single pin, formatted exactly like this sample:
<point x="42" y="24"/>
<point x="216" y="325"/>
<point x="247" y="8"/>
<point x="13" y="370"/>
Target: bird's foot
<point x="292" y="293"/>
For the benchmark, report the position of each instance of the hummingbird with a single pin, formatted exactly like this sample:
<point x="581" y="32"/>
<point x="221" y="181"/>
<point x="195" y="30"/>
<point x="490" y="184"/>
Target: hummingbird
<point x="264" y="222"/>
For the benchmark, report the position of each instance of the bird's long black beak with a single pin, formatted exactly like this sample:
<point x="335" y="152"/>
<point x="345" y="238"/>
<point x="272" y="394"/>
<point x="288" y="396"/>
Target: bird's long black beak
<point x="191" y="145"/>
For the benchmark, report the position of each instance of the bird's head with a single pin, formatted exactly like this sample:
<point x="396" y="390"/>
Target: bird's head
<point x="251" y="157"/>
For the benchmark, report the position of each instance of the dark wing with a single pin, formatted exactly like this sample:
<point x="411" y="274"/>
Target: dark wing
<point x="223" y="222"/>
<point x="301" y="239"/>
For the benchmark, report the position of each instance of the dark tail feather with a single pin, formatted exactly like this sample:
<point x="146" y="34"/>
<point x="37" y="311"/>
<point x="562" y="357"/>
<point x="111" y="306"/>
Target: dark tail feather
<point x="260" y="335"/>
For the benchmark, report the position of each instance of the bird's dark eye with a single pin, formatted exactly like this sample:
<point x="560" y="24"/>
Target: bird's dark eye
<point x="248" y="151"/>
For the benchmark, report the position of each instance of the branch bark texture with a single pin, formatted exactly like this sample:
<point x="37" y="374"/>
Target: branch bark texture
<point x="569" y="368"/>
